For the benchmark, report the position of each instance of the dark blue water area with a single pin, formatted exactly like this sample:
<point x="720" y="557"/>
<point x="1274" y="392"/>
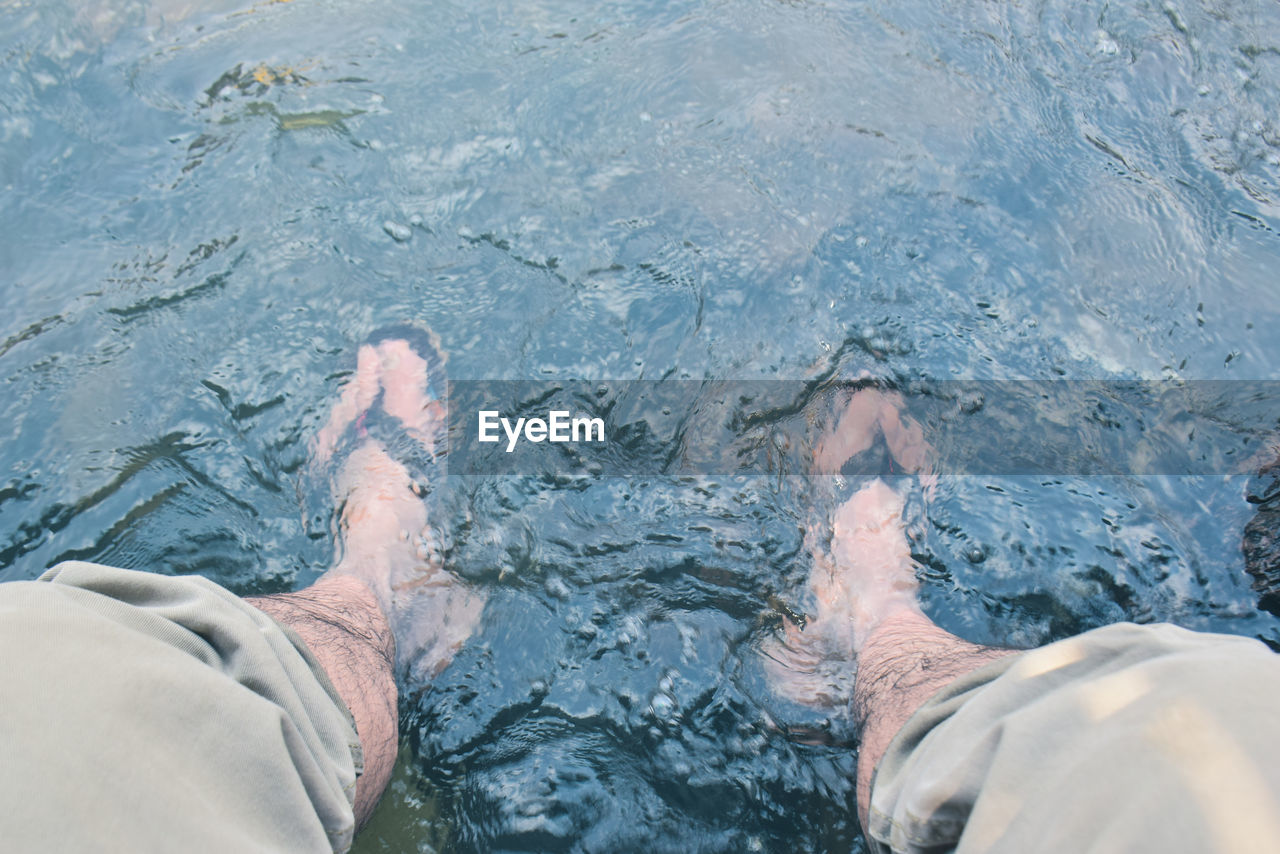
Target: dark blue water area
<point x="207" y="208"/>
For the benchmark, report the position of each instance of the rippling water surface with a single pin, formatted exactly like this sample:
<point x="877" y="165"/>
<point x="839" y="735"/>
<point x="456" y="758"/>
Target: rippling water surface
<point x="207" y="207"/>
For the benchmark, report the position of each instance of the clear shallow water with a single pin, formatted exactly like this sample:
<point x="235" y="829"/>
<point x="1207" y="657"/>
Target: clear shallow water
<point x="205" y="211"/>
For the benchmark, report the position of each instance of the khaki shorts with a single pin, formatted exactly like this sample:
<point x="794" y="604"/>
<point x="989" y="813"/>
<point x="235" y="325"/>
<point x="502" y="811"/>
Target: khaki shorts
<point x="1123" y="739"/>
<point x="141" y="713"/>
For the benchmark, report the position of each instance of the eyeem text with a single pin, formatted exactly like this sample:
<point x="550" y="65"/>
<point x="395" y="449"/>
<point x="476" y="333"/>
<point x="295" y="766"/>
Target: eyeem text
<point x="556" y="427"/>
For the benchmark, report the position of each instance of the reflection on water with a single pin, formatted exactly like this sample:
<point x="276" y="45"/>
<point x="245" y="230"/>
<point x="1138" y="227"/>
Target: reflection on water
<point x="207" y="206"/>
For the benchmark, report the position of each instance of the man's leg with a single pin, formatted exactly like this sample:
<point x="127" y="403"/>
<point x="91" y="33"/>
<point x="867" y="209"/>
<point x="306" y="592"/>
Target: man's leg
<point x="387" y="589"/>
<point x="905" y="661"/>
<point x="1124" y="738"/>
<point x="344" y="628"/>
<point x="157" y="713"/>
<point x="864" y="587"/>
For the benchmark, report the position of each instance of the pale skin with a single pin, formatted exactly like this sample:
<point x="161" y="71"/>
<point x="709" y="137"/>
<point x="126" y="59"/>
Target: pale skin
<point x="387" y="599"/>
<point x="864" y="588"/>
<point x="386" y="603"/>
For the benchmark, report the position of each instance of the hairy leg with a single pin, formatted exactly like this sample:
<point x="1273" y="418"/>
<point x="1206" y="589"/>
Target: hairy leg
<point x="387" y="604"/>
<point x="343" y="617"/>
<point x="339" y="620"/>
<point x="905" y="660"/>
<point x="868" y="619"/>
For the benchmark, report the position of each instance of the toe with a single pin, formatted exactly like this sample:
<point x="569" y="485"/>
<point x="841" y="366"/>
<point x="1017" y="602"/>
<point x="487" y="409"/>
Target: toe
<point x="853" y="433"/>
<point x="405" y="378"/>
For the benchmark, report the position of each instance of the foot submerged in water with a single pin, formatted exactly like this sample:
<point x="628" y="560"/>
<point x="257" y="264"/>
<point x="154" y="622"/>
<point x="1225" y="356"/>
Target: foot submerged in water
<point x="863" y="577"/>
<point x="386" y="538"/>
<point x="866" y="577"/>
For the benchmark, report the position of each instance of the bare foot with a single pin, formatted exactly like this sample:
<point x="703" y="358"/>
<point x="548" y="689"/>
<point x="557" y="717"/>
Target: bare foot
<point x="393" y="369"/>
<point x="874" y="576"/>
<point x="865" y="577"/>
<point x="356" y="398"/>
<point x="404" y="376"/>
<point x="869" y="638"/>
<point x="387" y="605"/>
<point x="386" y="537"/>
<point x="868" y="412"/>
<point x="864" y="574"/>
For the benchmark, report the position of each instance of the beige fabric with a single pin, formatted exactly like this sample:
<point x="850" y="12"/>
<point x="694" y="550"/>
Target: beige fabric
<point x="146" y="713"/>
<point x="1123" y="739"/>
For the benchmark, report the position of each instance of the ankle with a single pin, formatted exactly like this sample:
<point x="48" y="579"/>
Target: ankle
<point x="881" y="618"/>
<point x="906" y="659"/>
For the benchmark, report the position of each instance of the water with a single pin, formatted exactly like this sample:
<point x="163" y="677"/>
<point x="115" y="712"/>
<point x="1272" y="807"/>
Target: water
<point x="207" y="209"/>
